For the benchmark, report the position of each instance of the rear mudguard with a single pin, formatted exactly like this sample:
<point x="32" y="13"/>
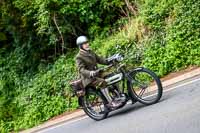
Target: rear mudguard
<point x="80" y="99"/>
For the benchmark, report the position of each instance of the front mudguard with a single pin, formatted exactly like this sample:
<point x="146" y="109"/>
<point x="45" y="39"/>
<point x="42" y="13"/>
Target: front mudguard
<point x="135" y="70"/>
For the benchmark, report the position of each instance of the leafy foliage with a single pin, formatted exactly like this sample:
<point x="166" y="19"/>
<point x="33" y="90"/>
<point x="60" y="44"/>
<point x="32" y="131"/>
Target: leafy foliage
<point x="178" y="44"/>
<point x="53" y="20"/>
<point x="36" y="65"/>
<point x="37" y="37"/>
<point x="27" y="101"/>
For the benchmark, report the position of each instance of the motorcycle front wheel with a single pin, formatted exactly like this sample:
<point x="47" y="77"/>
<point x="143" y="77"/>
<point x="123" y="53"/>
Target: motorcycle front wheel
<point x="145" y="86"/>
<point x="94" y="104"/>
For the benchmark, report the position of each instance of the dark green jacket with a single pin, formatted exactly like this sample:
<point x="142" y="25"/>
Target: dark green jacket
<point x="86" y="62"/>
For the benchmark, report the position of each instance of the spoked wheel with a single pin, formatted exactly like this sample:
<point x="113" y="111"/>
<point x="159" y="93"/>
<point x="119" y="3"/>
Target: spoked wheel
<point x="94" y="104"/>
<point x="145" y="86"/>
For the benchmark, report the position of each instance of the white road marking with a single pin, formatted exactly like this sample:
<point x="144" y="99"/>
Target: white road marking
<point x="84" y="117"/>
<point x="72" y="121"/>
<point x="189" y="82"/>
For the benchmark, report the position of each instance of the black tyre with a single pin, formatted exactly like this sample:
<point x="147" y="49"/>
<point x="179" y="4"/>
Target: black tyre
<point x="94" y="104"/>
<point x="145" y="86"/>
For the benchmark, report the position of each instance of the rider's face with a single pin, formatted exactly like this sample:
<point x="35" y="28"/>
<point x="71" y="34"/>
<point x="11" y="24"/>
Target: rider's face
<point x="86" y="46"/>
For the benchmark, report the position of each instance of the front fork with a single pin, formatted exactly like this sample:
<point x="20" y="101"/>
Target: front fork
<point x="129" y="83"/>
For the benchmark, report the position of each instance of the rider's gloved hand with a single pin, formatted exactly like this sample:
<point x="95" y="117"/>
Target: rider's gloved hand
<point x="94" y="73"/>
<point x="110" y="62"/>
<point x="119" y="58"/>
<point x="114" y="58"/>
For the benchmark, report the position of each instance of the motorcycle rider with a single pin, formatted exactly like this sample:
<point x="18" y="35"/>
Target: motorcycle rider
<point x="86" y="61"/>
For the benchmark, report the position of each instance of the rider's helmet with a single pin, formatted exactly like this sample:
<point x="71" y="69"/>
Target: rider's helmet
<point x="81" y="40"/>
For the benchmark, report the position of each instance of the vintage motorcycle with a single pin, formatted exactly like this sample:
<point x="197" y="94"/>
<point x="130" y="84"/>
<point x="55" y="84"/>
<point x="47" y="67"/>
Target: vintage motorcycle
<point x="138" y="84"/>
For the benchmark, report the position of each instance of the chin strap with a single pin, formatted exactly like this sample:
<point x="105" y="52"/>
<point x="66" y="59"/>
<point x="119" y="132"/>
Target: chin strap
<point x="84" y="49"/>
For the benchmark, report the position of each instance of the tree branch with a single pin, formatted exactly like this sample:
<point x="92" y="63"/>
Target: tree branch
<point x="55" y="22"/>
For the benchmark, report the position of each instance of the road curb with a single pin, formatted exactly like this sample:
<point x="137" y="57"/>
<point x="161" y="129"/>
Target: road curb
<point x="48" y="124"/>
<point x="81" y="113"/>
<point x="182" y="77"/>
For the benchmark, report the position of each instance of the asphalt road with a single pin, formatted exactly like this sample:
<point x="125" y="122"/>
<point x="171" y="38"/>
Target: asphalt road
<point x="177" y="112"/>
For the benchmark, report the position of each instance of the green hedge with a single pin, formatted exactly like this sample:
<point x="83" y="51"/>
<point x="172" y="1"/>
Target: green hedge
<point x="27" y="101"/>
<point x="176" y="45"/>
<point x="163" y="37"/>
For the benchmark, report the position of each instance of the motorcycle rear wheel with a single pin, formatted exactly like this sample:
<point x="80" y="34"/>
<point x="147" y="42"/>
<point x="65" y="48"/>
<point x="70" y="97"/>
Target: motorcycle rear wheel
<point x="94" y="104"/>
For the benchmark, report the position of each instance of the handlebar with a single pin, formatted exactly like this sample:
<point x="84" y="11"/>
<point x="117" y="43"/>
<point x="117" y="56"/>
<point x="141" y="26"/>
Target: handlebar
<point x="105" y="68"/>
<point x="115" y="57"/>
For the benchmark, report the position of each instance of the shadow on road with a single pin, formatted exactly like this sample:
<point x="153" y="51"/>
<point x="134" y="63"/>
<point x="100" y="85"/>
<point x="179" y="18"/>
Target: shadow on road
<point x="130" y="108"/>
